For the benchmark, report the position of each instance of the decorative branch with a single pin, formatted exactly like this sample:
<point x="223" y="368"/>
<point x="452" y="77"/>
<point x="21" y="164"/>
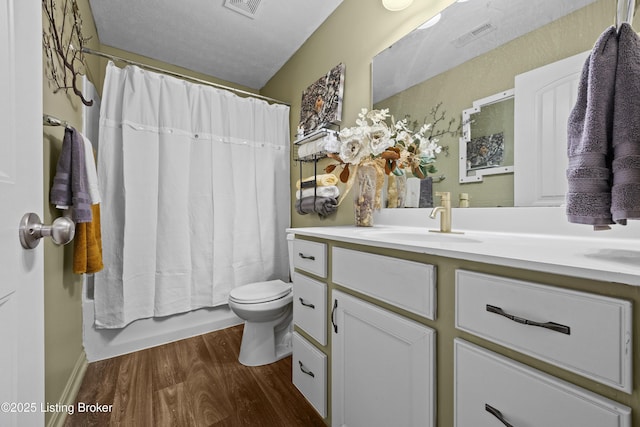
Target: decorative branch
<point x="435" y="117"/>
<point x="63" y="47"/>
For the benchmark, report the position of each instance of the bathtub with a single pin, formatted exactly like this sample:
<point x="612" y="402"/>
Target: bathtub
<point x="102" y="344"/>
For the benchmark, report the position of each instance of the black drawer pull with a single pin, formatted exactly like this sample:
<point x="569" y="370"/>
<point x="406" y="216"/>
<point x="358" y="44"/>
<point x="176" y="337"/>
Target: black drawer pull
<point x="493" y="411"/>
<point x="548" y="325"/>
<point x="305" y="370"/>
<point x="303" y="256"/>
<point x="333" y="319"/>
<point x="306" y="304"/>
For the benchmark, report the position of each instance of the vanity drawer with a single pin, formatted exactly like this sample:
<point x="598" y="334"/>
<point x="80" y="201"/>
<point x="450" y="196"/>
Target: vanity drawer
<point x="310" y="257"/>
<point x="310" y="306"/>
<point x="309" y="367"/>
<point x="405" y="284"/>
<point x="584" y="333"/>
<point x="523" y="396"/>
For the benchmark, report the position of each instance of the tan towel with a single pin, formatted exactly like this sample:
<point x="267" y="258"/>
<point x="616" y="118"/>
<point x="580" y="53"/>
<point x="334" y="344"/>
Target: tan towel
<point x="321" y="180"/>
<point x="87" y="245"/>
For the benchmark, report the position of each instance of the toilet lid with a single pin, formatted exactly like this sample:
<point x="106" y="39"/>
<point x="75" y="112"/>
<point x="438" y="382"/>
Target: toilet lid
<point x="260" y="292"/>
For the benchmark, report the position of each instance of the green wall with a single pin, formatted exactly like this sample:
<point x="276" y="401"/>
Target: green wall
<point x="64" y="354"/>
<point x="355" y="32"/>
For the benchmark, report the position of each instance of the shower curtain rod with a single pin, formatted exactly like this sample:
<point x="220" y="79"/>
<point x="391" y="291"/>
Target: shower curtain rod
<point x="181" y="76"/>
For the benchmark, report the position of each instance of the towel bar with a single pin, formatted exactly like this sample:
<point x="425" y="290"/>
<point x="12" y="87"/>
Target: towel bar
<point x="49" y="120"/>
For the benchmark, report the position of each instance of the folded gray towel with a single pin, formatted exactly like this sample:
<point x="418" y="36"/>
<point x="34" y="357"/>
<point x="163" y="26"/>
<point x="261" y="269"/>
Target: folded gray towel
<point x="323" y="206"/>
<point x="625" y="193"/>
<point x="589" y="132"/>
<point x="70" y="185"/>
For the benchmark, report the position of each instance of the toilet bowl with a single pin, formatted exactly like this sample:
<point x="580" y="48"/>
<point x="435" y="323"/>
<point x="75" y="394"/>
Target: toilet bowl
<point x="267" y="311"/>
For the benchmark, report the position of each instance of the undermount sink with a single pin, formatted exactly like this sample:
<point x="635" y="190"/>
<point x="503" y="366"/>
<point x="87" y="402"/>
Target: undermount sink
<point x="420" y="236"/>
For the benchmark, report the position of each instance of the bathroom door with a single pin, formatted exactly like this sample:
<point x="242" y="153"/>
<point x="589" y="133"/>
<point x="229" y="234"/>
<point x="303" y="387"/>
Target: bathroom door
<point x="21" y="163"/>
<point x="544" y="98"/>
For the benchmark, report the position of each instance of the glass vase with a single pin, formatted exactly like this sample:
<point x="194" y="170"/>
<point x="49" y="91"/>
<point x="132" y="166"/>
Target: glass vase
<point x="364" y="195"/>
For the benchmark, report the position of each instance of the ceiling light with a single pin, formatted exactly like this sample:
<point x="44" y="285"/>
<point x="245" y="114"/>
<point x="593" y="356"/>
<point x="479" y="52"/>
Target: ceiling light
<point x="396" y="5"/>
<point x="431" y="22"/>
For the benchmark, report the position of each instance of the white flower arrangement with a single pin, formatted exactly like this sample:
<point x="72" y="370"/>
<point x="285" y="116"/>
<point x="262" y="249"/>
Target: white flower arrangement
<point x="393" y="147"/>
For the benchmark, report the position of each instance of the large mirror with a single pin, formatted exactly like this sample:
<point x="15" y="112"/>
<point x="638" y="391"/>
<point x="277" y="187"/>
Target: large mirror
<point x="472" y="50"/>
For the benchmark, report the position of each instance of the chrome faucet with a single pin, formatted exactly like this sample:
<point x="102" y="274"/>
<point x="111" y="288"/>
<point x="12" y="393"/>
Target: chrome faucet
<point x="445" y="212"/>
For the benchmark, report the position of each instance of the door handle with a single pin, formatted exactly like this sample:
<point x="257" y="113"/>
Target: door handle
<point x="32" y="230"/>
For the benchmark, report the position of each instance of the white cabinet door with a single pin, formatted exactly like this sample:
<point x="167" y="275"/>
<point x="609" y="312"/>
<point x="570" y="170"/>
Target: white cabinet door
<point x="382" y="367"/>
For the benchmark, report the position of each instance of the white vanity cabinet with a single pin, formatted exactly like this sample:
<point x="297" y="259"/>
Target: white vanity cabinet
<point x="383" y="367"/>
<point x="383" y="364"/>
<point x="518" y="345"/>
<point x="309" y="361"/>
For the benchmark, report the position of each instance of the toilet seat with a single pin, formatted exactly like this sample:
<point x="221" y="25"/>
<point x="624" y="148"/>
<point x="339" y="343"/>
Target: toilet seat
<point x="260" y="292"/>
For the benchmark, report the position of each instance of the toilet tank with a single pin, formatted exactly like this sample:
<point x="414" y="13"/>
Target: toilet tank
<point x="290" y="238"/>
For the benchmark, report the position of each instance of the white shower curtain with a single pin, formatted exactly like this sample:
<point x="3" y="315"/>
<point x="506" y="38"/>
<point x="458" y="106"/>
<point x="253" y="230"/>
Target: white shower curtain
<point x="195" y="195"/>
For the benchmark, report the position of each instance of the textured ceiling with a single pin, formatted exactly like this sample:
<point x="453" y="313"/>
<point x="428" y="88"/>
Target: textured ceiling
<point x="205" y="36"/>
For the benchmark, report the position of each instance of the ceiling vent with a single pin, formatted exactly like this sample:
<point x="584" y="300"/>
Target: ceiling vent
<point x="474" y="34"/>
<point x="244" y="7"/>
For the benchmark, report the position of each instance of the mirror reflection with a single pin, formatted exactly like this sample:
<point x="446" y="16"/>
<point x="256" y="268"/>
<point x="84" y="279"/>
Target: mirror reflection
<point x="487" y="141"/>
<point x="475" y="49"/>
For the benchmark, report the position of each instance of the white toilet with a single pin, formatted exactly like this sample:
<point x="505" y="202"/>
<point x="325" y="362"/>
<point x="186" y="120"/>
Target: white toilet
<point x="267" y="310"/>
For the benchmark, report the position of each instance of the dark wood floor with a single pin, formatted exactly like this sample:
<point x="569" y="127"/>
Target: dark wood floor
<point x="193" y="382"/>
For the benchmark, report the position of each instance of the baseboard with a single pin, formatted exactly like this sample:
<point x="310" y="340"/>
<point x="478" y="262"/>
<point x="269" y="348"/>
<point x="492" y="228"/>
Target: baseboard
<point x="70" y="391"/>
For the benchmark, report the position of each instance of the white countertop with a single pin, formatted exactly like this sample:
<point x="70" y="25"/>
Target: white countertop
<point x="606" y="259"/>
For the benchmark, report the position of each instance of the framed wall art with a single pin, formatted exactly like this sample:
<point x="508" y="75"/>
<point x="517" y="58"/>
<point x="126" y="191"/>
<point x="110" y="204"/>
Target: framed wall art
<point x="322" y="101"/>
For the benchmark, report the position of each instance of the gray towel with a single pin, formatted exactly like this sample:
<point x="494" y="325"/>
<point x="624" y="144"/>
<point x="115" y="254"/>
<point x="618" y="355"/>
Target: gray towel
<point x="589" y="132"/>
<point x="323" y="206"/>
<point x="70" y="185"/>
<point x="625" y="193"/>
